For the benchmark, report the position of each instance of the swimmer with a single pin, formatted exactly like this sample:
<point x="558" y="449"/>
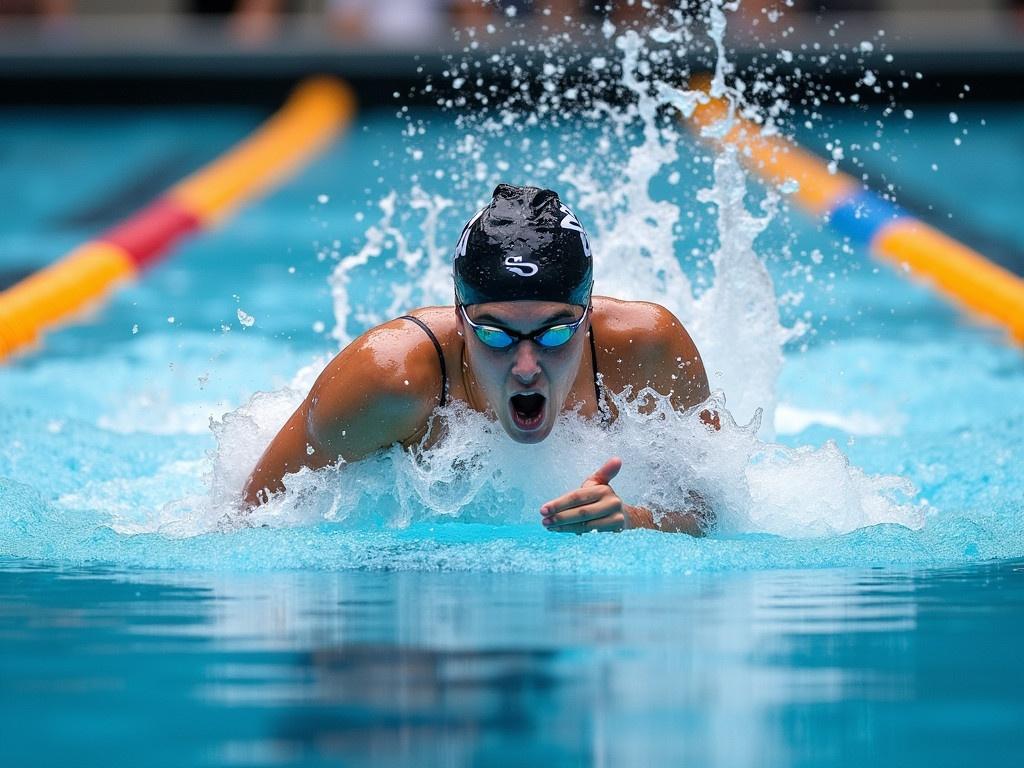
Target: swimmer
<point x="524" y="342"/>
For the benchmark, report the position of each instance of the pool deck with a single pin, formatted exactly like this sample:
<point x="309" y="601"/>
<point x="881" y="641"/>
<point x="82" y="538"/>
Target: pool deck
<point x="130" y="59"/>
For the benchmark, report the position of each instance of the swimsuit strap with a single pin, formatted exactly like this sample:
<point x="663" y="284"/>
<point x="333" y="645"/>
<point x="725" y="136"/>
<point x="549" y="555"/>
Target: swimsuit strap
<point x="601" y="405"/>
<point x="440" y="355"/>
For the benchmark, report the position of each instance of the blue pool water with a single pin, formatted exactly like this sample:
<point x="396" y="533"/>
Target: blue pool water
<point x="365" y="669"/>
<point x="859" y="602"/>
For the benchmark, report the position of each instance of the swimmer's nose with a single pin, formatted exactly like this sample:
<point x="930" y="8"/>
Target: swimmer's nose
<point x="526" y="368"/>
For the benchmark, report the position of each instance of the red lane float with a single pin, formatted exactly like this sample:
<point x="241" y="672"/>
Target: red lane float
<point x="316" y="112"/>
<point x="153" y="231"/>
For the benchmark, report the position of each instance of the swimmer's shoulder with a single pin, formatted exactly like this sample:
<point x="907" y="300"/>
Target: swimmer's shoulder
<point x="387" y="381"/>
<point x="398" y="358"/>
<point x="642" y="343"/>
<point x="443" y="327"/>
<point x="638" y="324"/>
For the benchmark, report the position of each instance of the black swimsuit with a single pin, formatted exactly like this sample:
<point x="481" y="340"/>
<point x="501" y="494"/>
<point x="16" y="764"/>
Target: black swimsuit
<point x="444" y="368"/>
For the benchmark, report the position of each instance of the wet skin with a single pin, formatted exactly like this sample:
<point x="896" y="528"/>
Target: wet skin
<point x="383" y="387"/>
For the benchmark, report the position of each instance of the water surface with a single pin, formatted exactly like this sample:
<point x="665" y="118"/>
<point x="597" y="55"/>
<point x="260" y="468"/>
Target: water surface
<point x="827" y="668"/>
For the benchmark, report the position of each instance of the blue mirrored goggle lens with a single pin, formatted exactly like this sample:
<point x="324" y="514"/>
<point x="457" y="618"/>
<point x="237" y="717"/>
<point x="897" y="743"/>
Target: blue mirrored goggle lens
<point x="556" y="335"/>
<point x="493" y="337"/>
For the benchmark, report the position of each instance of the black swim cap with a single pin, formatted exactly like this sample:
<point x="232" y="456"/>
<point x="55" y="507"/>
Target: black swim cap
<point x="526" y="244"/>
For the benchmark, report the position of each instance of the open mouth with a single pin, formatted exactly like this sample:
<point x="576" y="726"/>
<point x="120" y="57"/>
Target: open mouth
<point x="527" y="410"/>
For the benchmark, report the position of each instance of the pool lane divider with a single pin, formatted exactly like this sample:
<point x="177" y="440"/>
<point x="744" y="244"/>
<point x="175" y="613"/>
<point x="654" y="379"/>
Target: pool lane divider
<point x="866" y="218"/>
<point x="317" y="111"/>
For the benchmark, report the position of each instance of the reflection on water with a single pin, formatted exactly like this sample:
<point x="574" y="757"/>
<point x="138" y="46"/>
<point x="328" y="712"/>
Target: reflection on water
<point x="777" y="668"/>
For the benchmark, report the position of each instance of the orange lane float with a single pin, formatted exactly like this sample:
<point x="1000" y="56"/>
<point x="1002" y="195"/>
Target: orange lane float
<point x="866" y="218"/>
<point x="317" y="111"/>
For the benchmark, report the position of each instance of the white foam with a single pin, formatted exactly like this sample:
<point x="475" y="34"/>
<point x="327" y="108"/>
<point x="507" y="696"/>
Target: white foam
<point x="137" y="504"/>
<point x="478" y="474"/>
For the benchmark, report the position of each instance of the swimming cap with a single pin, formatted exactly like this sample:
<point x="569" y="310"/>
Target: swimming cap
<point x="526" y="244"/>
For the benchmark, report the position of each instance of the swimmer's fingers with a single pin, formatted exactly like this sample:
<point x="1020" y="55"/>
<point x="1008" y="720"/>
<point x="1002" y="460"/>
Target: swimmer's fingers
<point x="605" y="474"/>
<point x="573" y="499"/>
<point x="593" y="488"/>
<point x="607" y="506"/>
<point x="593" y="507"/>
<point x="616" y="521"/>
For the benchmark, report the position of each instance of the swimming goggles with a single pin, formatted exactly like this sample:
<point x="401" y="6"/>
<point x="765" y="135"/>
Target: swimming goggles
<point x="502" y="338"/>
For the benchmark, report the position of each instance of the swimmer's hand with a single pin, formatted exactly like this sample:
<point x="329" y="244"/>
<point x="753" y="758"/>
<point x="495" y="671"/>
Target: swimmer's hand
<point x="594" y="506"/>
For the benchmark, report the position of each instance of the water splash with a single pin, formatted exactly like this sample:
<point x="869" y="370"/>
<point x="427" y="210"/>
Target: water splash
<point x="401" y="273"/>
<point x="735" y="321"/>
<point x="471" y="500"/>
<point x="636" y="232"/>
<point x="477" y="474"/>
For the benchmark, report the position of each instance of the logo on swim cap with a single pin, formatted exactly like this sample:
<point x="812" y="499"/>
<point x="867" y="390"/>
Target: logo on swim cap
<point x="571" y="222"/>
<point x="524" y="232"/>
<point x="522" y="268"/>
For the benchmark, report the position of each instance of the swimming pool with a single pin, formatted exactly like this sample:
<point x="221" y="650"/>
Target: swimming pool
<point x="847" y="609"/>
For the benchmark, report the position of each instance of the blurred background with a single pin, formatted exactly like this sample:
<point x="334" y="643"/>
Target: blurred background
<point x="129" y="50"/>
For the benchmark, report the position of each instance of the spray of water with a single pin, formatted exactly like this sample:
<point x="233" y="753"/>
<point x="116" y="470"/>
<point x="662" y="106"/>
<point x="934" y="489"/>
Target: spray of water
<point x="476" y="473"/>
<point x="480" y="475"/>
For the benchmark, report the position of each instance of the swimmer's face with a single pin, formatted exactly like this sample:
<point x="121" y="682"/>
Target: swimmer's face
<point x="526" y="384"/>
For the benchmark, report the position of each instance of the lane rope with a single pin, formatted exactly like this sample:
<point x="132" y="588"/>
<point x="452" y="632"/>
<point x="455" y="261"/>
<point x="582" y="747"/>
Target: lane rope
<point x="317" y="111"/>
<point x="958" y="272"/>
